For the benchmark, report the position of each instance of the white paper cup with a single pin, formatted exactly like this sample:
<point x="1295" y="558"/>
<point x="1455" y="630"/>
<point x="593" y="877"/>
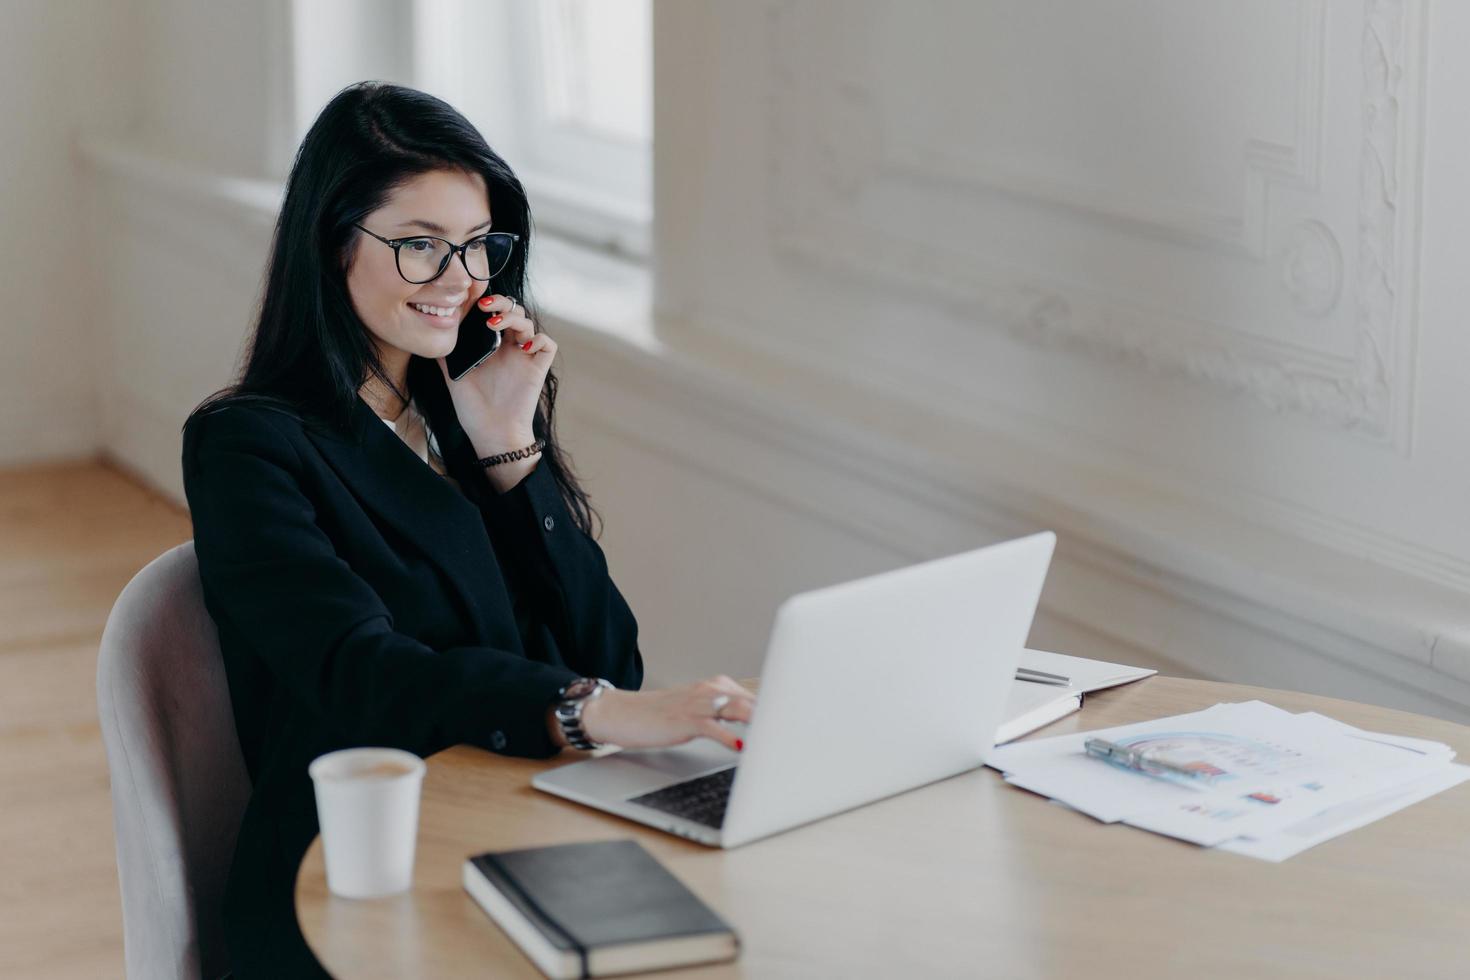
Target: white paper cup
<point x="367" y="803"/>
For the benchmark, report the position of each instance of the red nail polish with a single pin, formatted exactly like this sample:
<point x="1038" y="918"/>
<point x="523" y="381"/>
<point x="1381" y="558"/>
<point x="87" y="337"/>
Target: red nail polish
<point x="496" y="319"/>
<point x="485" y="301"/>
<point x="740" y="745"/>
<point x="526" y="345"/>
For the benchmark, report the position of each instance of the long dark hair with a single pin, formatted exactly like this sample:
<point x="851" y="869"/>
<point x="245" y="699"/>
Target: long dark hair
<point x="310" y="353"/>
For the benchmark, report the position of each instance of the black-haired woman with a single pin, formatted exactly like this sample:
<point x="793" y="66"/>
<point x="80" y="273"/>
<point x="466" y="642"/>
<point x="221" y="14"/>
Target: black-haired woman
<point x="393" y="557"/>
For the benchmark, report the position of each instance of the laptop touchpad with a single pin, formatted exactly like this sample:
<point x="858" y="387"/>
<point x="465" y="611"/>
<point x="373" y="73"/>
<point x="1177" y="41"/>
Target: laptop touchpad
<point x="681" y="761"/>
<point x="633" y="772"/>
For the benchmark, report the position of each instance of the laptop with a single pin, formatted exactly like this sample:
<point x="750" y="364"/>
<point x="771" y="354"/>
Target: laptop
<point x="869" y="688"/>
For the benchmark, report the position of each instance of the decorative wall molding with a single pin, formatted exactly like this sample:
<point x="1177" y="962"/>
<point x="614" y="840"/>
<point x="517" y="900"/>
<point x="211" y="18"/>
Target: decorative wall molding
<point x="1389" y="198"/>
<point x="1264" y="163"/>
<point x="1310" y="266"/>
<point x="827" y="147"/>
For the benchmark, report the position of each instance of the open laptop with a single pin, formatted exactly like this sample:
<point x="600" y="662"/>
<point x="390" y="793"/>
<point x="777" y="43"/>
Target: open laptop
<point x="869" y="688"/>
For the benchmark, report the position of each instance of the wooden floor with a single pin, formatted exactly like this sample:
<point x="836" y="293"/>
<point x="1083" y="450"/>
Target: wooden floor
<point x="71" y="536"/>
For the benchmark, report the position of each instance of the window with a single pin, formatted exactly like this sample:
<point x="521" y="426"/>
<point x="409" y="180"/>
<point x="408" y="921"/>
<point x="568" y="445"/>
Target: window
<point x="563" y="89"/>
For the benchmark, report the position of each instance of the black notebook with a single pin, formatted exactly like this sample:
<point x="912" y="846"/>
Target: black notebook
<point x="596" y="909"/>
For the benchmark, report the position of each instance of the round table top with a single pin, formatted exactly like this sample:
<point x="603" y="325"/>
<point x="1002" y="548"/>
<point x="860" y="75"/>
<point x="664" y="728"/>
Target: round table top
<point x="967" y="876"/>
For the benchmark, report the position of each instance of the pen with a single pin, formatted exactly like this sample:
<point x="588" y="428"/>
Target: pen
<point x="1041" y="676"/>
<point x="1134" y="759"/>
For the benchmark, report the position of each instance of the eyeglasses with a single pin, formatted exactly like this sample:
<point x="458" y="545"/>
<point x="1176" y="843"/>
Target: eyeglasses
<point x="423" y="259"/>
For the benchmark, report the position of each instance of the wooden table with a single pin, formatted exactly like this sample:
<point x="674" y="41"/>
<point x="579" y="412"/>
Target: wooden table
<point x="966" y="877"/>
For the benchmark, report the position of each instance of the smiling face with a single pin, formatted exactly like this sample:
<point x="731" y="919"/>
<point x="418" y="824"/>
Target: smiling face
<point x="449" y="204"/>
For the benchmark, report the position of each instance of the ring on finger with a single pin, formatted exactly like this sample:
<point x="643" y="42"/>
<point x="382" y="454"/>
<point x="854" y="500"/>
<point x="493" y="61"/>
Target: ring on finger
<point x="719" y="703"/>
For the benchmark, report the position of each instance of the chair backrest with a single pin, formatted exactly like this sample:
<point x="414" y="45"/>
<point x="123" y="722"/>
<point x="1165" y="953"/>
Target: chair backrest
<point x="179" y="784"/>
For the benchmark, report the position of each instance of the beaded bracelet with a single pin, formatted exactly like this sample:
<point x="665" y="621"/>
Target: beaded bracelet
<point x="514" y="454"/>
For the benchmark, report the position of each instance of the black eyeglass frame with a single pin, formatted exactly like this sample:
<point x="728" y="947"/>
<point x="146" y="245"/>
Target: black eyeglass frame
<point x="397" y="243"/>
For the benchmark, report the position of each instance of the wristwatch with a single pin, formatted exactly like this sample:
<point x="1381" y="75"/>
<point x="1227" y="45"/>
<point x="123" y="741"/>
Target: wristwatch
<point x="574" y="698"/>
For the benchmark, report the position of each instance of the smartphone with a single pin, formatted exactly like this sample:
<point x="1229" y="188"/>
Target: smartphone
<point x="476" y="342"/>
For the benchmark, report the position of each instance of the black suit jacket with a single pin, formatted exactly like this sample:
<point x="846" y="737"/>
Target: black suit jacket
<point x="361" y="599"/>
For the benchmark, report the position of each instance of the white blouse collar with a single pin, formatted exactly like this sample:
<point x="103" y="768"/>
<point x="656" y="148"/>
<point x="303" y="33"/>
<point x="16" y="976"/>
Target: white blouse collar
<point x="412" y="428"/>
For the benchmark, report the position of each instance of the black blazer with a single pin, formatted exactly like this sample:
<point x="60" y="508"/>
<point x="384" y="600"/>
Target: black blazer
<point x="361" y="599"/>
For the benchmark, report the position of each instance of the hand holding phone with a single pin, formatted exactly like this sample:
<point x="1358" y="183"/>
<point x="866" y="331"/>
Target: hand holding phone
<point x="497" y="385"/>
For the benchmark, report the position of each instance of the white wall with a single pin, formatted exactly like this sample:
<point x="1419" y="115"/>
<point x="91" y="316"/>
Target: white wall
<point x="64" y="67"/>
<point x="215" y="87"/>
<point x="186" y="201"/>
<point x="1155" y="234"/>
<point x="1177" y="280"/>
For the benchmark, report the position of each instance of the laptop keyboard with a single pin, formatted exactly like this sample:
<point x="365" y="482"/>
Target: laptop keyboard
<point x="702" y="799"/>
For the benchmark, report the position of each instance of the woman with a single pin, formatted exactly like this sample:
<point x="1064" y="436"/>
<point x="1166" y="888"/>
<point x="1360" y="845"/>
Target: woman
<point x="393" y="557"/>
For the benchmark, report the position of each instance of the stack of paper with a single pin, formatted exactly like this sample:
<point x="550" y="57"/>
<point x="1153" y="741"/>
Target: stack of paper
<point x="1270" y="783"/>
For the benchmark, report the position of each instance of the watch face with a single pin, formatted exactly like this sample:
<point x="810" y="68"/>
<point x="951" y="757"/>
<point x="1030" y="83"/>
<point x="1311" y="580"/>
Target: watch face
<point x="579" y="688"/>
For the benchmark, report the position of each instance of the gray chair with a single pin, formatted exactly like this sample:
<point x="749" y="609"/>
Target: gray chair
<point x="179" y="784"/>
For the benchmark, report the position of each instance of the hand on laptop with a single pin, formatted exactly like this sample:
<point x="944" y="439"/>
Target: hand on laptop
<point x="654" y="719"/>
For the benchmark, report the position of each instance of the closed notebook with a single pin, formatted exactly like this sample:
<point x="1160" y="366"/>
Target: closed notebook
<point x="1030" y="706"/>
<point x="1082" y="673"/>
<point x="596" y="909"/>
